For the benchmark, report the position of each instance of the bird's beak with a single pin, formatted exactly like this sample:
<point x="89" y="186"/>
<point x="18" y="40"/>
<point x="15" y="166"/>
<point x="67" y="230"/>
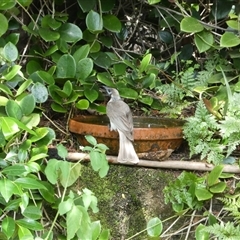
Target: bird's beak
<point x="105" y="90"/>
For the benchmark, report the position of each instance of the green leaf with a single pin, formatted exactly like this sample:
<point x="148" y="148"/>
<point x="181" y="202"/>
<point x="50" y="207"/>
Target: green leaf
<point x="203" y="40"/>
<point x="9" y="127"/>
<point x="151" y="2"/>
<point x="218" y="188"/>
<point x="40" y="92"/>
<point x="70" y="32"/>
<point x="145" y="62"/>
<point x="48" y="194"/>
<point x="52" y="171"/>
<point x="25" y="3"/>
<point x="165" y="36"/>
<point x="5" y="89"/>
<point x="154" y="227"/>
<point x="92" y="140"/>
<point x="13" y="110"/>
<point x="62" y="151"/>
<point x="103" y="171"/>
<point x="84" y="68"/>
<point x="3" y="101"/>
<point x="29" y="183"/>
<point x="66" y="66"/>
<point x="86" y="6"/>
<point x="200" y="234"/>
<point x="65" y="206"/>
<point x="14" y="170"/>
<point x="91" y="94"/>
<point x="191" y="25"/>
<point x="203" y="194"/>
<point x="214" y="175"/>
<point x="45" y="77"/>
<point x="7" y="4"/>
<point x="82" y="104"/>
<point x="81" y="53"/>
<point x="10" y="52"/>
<point x="94" y="22"/>
<point x="24" y="233"/>
<point x="96" y="160"/>
<point x="103" y="60"/>
<point x="128" y="93"/>
<point x="7" y="188"/>
<point x="105" y="235"/>
<point x="12" y="72"/>
<point x="27" y="104"/>
<point x="229" y="39"/>
<point x="58" y="108"/>
<point x="32" y="212"/>
<point x="95" y="229"/>
<point x="67" y="88"/>
<point x="112" y="23"/>
<point x="105" y="78"/>
<point x="146" y="100"/>
<point x="48" y="35"/>
<point x="8" y="226"/>
<point x="29" y="224"/>
<point x="23" y="87"/>
<point x="47" y="139"/>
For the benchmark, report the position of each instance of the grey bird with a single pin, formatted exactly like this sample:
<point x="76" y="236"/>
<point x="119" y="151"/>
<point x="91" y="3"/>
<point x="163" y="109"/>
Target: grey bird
<point x="120" y="117"/>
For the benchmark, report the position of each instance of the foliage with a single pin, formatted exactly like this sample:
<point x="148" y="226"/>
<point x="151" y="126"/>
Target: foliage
<point x="214" y="139"/>
<point x="190" y="191"/>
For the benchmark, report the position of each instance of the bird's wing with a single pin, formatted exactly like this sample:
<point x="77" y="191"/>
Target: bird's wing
<point x="120" y="115"/>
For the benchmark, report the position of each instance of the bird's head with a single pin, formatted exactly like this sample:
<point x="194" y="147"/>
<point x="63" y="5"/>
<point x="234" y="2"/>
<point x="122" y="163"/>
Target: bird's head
<point x="112" y="92"/>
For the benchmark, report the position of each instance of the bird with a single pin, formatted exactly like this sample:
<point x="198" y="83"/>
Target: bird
<point x="120" y="116"/>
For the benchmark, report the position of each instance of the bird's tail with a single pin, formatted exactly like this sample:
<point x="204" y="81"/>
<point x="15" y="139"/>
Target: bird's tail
<point x="126" y="150"/>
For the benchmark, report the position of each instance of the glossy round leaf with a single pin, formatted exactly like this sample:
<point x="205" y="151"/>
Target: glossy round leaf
<point x="67" y="88"/>
<point x="33" y="66"/>
<point x="82" y="104"/>
<point x="191" y="25"/>
<point x="48" y="35"/>
<point x="58" y="108"/>
<point x="200" y="234"/>
<point x="81" y="52"/>
<point x="106" y="79"/>
<point x="66" y="66"/>
<point x="40" y="92"/>
<point x="112" y="23"/>
<point x="128" y="93"/>
<point x="48" y="21"/>
<point x="229" y="39"/>
<point x="107" y="5"/>
<point x="25" y="3"/>
<point x="103" y="60"/>
<point x="84" y="68"/>
<point x="91" y="94"/>
<point x="4" y="23"/>
<point x="154" y="227"/>
<point x="94" y="22"/>
<point x="45" y="77"/>
<point x="29" y="224"/>
<point x="47" y="139"/>
<point x="10" y="52"/>
<point x="86" y="6"/>
<point x="7" y="4"/>
<point x="27" y="104"/>
<point x="12" y="72"/>
<point x="204" y="41"/>
<point x="13" y="110"/>
<point x="70" y="32"/>
<point x="165" y="36"/>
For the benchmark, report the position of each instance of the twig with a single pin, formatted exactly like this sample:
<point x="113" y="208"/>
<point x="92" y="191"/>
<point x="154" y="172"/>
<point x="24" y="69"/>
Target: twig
<point x="170" y="164"/>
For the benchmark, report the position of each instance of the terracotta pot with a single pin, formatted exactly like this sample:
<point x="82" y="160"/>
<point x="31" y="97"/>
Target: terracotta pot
<point x="153" y="137"/>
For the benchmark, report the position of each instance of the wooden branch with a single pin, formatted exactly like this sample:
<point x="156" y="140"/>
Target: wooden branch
<point x="169" y="164"/>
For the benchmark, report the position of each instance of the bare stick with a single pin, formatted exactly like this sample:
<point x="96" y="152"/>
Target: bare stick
<point x="170" y="164"/>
